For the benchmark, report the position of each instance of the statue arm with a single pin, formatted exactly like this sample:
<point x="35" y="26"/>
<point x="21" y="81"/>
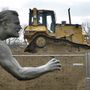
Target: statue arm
<point x="9" y="63"/>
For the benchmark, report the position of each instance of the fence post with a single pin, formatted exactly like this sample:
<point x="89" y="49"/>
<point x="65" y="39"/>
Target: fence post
<point x="88" y="71"/>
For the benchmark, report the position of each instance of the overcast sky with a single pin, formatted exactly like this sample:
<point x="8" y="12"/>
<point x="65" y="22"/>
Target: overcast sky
<point x="80" y="9"/>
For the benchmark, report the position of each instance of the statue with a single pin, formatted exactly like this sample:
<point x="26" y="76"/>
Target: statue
<point x="9" y="27"/>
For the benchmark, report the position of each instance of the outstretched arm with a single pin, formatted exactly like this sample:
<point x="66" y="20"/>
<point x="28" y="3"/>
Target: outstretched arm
<point x="10" y="64"/>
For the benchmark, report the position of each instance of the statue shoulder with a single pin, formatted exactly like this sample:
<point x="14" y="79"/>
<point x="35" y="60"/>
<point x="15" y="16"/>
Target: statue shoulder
<point x="4" y="47"/>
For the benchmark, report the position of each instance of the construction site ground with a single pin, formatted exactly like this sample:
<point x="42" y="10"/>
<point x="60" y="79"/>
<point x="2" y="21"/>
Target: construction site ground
<point x="72" y="75"/>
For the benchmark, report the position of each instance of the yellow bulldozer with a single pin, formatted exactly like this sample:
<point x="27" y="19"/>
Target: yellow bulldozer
<point x="43" y="27"/>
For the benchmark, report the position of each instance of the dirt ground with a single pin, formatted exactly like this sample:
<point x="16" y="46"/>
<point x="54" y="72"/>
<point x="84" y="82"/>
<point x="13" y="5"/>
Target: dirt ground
<point x="70" y="77"/>
<point x="52" y="49"/>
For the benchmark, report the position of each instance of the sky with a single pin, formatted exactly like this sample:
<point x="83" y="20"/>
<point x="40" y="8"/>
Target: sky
<point x="80" y="9"/>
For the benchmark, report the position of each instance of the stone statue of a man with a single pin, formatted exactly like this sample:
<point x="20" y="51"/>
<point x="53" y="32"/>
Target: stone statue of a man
<point x="9" y="27"/>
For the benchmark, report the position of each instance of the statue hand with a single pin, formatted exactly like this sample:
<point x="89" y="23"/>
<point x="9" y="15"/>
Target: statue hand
<point x="53" y="64"/>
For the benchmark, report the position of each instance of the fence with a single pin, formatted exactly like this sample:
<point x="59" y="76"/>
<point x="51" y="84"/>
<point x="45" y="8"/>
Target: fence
<point x="72" y="76"/>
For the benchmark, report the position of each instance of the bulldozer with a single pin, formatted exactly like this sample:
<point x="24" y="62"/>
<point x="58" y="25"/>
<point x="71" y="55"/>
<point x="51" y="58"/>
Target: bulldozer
<point x="43" y="28"/>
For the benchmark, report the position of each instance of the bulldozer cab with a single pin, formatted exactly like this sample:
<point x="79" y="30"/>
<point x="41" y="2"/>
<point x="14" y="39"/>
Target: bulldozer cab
<point x="42" y="17"/>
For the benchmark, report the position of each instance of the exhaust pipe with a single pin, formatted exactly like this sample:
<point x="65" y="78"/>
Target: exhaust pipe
<point x="69" y="16"/>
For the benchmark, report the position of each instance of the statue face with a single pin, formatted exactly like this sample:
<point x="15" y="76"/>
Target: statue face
<point x="13" y="26"/>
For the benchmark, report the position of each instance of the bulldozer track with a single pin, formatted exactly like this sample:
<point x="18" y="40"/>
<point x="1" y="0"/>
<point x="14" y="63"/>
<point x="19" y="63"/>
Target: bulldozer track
<point x="54" y="40"/>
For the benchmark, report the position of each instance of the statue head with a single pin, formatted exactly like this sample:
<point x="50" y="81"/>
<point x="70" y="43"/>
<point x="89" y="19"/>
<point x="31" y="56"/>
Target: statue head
<point x="9" y="24"/>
